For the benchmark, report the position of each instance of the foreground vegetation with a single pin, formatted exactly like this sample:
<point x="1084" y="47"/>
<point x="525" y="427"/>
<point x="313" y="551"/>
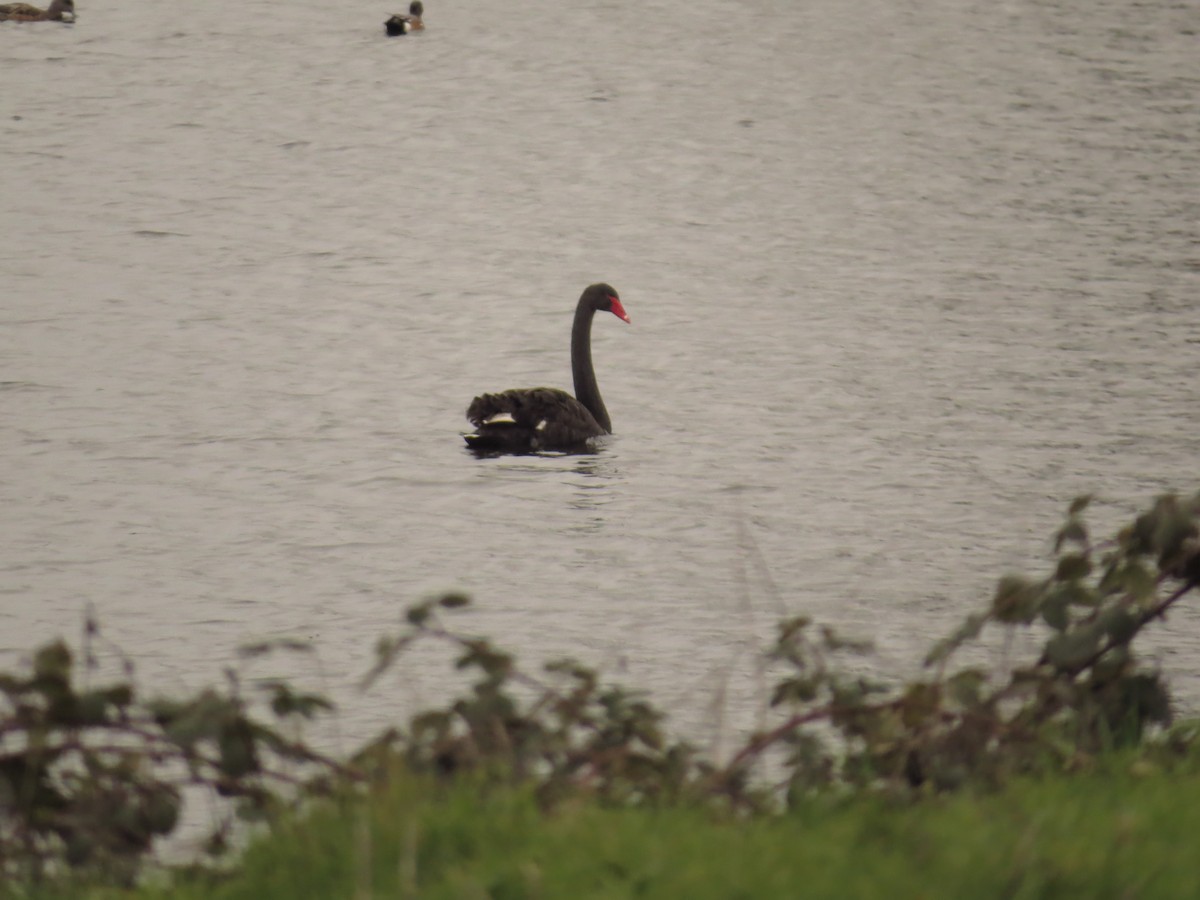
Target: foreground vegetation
<point x="1103" y="835"/>
<point x="1124" y="830"/>
<point x="556" y="784"/>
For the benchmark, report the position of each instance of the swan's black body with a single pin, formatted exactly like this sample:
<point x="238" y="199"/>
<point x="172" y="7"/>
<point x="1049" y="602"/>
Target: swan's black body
<point x="529" y="420"/>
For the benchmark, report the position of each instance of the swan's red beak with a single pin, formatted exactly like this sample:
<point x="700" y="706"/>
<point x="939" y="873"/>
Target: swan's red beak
<point x="618" y="310"/>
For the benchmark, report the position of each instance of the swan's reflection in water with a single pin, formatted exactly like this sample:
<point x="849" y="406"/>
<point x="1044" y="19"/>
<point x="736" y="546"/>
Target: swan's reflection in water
<point x="594" y="479"/>
<point x="591" y="478"/>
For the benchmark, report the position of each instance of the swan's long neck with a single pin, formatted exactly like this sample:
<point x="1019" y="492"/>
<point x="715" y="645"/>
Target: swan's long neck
<point x="587" y="391"/>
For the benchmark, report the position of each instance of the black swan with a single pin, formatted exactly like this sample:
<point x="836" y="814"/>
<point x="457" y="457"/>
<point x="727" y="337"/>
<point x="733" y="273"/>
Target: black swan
<point x="527" y="420"/>
<point x="398" y="24"/>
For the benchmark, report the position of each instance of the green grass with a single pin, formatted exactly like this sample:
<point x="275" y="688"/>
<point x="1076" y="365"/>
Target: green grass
<point x="1111" y="835"/>
<point x="1102" y="835"/>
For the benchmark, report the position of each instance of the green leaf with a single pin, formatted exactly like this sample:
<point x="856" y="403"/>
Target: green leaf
<point x="1077" y="593"/>
<point x="12" y="686"/>
<point x="965" y="687"/>
<point x="1187" y="567"/>
<point x="967" y="631"/>
<point x="1074" y="648"/>
<point x="919" y="703"/>
<point x="1152" y="698"/>
<point x="286" y="702"/>
<point x="434" y="720"/>
<point x="419" y="614"/>
<point x="1118" y="623"/>
<point x="480" y="653"/>
<point x="1073" y="531"/>
<point x="454" y="601"/>
<point x="1073" y="567"/>
<point x="52" y="662"/>
<point x="789" y="628"/>
<point x="1165" y="530"/>
<point x="262" y="648"/>
<point x="833" y="641"/>
<point x="161" y="811"/>
<point x="1113" y="664"/>
<point x="92" y="708"/>
<point x="199" y="719"/>
<point x="796" y="690"/>
<point x="387" y="649"/>
<point x="1138" y="539"/>
<point x="1130" y="577"/>
<point x="1016" y="600"/>
<point x="119" y="695"/>
<point x="1055" y="610"/>
<point x="238" y="754"/>
<point x="1175" y="530"/>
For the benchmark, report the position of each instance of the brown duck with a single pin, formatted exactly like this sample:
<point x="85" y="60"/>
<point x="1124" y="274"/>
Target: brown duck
<point x="399" y="24"/>
<point x="57" y="11"/>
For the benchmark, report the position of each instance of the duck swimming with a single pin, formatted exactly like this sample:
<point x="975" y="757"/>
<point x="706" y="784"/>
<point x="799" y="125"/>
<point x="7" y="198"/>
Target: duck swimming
<point x="398" y="24"/>
<point x="57" y="11"/>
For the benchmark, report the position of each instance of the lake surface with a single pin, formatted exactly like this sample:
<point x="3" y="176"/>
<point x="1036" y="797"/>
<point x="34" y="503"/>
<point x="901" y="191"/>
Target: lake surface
<point x="905" y="276"/>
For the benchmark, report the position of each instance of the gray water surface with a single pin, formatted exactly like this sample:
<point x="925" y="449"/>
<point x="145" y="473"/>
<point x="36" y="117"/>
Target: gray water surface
<point x="904" y="278"/>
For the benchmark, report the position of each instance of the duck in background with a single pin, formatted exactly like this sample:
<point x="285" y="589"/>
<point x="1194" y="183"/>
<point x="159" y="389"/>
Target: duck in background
<point x="58" y="11"/>
<point x="399" y="24"/>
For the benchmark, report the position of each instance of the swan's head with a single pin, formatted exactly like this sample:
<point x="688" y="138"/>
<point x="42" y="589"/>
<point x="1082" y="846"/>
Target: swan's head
<point x="604" y="298"/>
